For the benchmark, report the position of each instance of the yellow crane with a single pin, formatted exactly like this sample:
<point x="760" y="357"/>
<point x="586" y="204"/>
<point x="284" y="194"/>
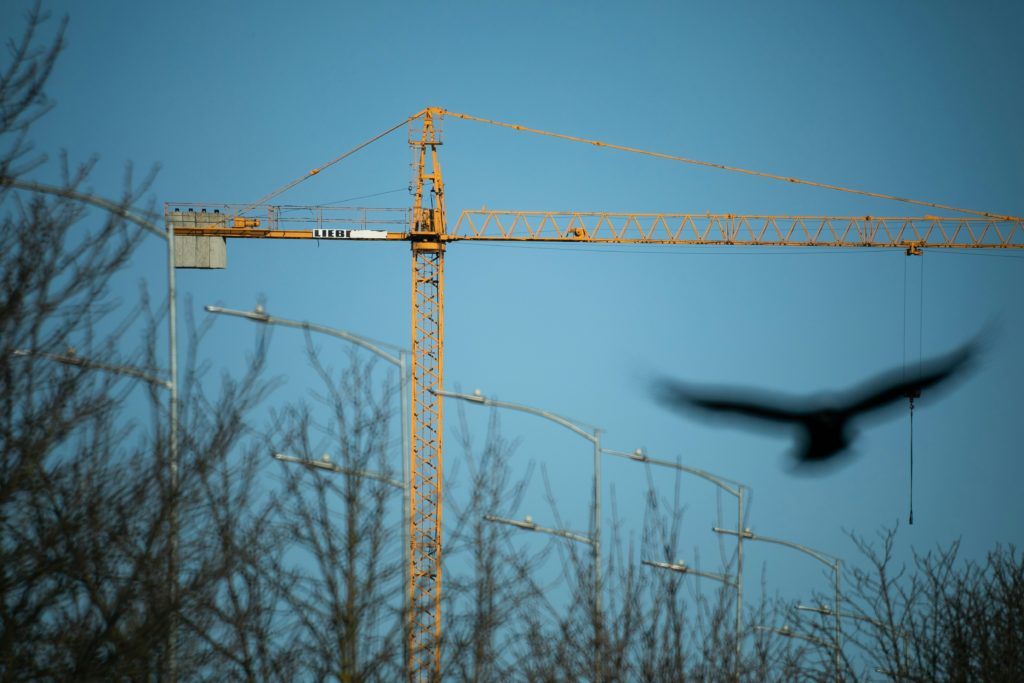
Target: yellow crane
<point x="200" y="238"/>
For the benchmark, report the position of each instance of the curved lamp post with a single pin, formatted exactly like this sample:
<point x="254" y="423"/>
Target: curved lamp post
<point x="828" y="611"/>
<point x="731" y="487"/>
<point x="395" y="355"/>
<point x="829" y="561"/>
<point x="166" y="234"/>
<point x="325" y="463"/>
<point x="683" y="568"/>
<point x="594" y="437"/>
<point x="787" y="632"/>
<point x="71" y="358"/>
<point x="528" y="524"/>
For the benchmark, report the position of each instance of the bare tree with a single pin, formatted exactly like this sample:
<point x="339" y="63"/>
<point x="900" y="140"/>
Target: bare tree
<point x="54" y="419"/>
<point x="489" y="582"/>
<point x="343" y="583"/>
<point x="689" y="628"/>
<point x="974" y="625"/>
<point x="85" y="502"/>
<point x="942" y="619"/>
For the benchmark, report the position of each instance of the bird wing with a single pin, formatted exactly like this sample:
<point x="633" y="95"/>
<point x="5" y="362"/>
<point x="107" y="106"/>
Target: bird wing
<point x="898" y="384"/>
<point x="745" y="403"/>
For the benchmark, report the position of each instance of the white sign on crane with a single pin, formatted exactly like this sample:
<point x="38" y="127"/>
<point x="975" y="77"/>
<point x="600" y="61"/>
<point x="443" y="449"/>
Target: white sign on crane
<point x="345" y="234"/>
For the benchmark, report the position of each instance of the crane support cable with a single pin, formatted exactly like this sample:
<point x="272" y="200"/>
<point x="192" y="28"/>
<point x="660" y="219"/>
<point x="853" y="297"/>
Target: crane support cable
<point x="723" y="167"/>
<point x="312" y="172"/>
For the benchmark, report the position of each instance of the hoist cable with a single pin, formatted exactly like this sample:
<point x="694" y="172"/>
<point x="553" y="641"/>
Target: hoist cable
<point x="905" y="259"/>
<point x="909" y="397"/>
<point x="920" y="344"/>
<point x="920" y="317"/>
<point x="911" y="392"/>
<point x="911" y="460"/>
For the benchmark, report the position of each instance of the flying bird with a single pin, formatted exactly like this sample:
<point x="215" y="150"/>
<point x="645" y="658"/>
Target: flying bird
<point x="822" y="422"/>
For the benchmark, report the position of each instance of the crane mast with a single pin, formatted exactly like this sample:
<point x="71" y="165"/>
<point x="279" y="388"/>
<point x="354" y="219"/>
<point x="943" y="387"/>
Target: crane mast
<point x="203" y="230"/>
<point x="425" y="462"/>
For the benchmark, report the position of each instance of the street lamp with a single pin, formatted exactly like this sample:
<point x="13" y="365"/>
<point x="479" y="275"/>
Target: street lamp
<point x="324" y="463"/>
<point x="895" y="675"/>
<point x="594" y="437"/>
<point x="828" y="611"/>
<point x="166" y="234"/>
<point x="731" y="487"/>
<point x="829" y="561"/>
<point x="397" y="356"/>
<point x="737" y="582"/>
<point x="683" y="568"/>
<point x="787" y="632"/>
<point x="72" y="358"/>
<point x="528" y="524"/>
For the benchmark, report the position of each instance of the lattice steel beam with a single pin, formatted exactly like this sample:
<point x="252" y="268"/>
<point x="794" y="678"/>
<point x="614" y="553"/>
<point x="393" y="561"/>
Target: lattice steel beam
<point x="424" y="636"/>
<point x="712" y="229"/>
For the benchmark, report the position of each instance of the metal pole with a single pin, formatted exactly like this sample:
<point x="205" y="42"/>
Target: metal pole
<point x="168" y="235"/>
<point x="830" y="562"/>
<point x="401" y="361"/>
<point x="595" y="540"/>
<point x="838" y="629"/>
<point x="736" y="489"/>
<point x="598" y="608"/>
<point x="739" y="580"/>
<point x="172" y="313"/>
<point x="597" y="520"/>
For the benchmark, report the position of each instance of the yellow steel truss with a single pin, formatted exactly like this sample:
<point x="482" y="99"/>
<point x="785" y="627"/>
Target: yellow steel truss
<point x="428" y="230"/>
<point x="714" y="229"/>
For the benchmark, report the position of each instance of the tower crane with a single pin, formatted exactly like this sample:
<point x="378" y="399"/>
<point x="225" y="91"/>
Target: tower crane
<point x="201" y="231"/>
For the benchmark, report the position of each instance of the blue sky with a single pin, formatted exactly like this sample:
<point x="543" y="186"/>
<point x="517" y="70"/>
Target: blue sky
<point x="917" y="99"/>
